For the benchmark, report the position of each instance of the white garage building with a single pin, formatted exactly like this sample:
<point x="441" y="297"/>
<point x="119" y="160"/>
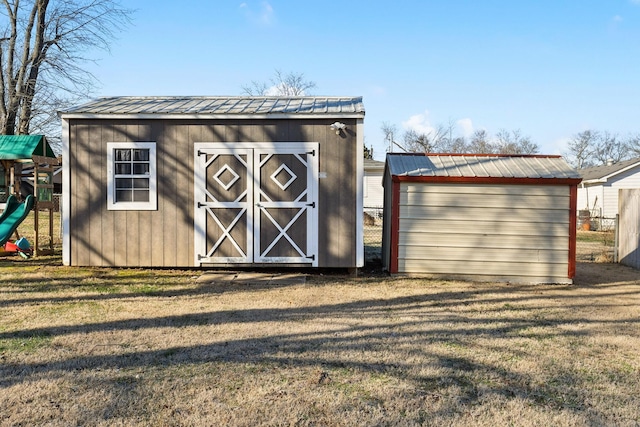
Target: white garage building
<point x="480" y="217"/>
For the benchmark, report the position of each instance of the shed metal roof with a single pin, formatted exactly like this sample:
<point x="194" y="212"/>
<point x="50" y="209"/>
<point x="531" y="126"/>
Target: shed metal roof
<point x="604" y="172"/>
<point x="220" y="106"/>
<point x="479" y="166"/>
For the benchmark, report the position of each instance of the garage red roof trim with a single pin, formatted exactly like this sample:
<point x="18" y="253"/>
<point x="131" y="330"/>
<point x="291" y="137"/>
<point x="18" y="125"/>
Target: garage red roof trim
<point x="479" y="166"/>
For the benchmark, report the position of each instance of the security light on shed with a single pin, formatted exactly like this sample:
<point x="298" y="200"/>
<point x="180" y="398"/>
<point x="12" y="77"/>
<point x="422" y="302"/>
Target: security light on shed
<point x="338" y="127"/>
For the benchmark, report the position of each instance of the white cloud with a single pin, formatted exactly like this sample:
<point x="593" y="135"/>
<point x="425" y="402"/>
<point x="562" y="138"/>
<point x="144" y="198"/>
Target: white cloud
<point x="634" y="2"/>
<point x="617" y="18"/>
<point x="466" y="127"/>
<point x="378" y="90"/>
<point x="262" y="15"/>
<point x="419" y="122"/>
<point x="559" y="146"/>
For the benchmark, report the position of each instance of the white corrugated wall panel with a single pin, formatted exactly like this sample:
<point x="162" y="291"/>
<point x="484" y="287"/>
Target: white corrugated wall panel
<point x="373" y="190"/>
<point x="479" y="270"/>
<point x="491" y="212"/>
<point x="472" y="240"/>
<point x="519" y="232"/>
<point x="455" y="253"/>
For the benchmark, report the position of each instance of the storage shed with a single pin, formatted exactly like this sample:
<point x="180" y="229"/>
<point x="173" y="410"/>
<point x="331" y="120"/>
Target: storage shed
<point x="213" y="181"/>
<point x="480" y="217"/>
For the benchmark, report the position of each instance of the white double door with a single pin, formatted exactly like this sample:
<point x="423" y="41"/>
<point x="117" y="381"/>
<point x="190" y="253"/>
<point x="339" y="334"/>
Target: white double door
<point x="256" y="203"/>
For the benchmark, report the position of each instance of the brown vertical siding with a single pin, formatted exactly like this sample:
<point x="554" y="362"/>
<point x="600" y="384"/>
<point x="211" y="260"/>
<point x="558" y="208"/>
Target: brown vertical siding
<point x="168" y="189"/>
<point x="145" y="230"/>
<point x="83" y="204"/>
<point x="337" y="196"/>
<point x="109" y="238"/>
<point x="165" y="237"/>
<point x="157" y="219"/>
<point x="122" y="240"/>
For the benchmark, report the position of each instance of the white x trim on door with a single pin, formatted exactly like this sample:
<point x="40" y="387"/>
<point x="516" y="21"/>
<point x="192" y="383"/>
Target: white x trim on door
<point x="277" y="209"/>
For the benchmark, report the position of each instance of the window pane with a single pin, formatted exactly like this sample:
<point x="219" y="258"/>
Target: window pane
<point x="141" y="155"/>
<point x="140" y="183"/>
<point x="141" y="196"/>
<point x="124" y="183"/>
<point x="123" y="168"/>
<point x="141" y="168"/>
<point x="132" y="180"/>
<point x="123" y="155"/>
<point x="124" y="195"/>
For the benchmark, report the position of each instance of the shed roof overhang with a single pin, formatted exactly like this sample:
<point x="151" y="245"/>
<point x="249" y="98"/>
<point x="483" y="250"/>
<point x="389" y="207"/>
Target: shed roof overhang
<point x="24" y="147"/>
<point x="218" y="108"/>
<point x="486" y="180"/>
<point x="493" y="169"/>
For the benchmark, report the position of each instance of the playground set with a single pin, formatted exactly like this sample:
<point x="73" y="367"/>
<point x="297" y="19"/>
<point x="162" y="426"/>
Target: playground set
<point x="17" y="151"/>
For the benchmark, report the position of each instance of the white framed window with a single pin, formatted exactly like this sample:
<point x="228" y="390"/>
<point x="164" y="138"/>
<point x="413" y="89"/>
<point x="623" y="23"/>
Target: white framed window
<point x="131" y="176"/>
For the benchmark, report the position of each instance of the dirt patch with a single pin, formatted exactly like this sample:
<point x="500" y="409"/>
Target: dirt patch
<point x="595" y="273"/>
<point x="252" y="278"/>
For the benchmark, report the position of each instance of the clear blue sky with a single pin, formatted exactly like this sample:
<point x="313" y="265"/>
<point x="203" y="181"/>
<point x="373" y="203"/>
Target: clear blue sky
<point x="550" y="68"/>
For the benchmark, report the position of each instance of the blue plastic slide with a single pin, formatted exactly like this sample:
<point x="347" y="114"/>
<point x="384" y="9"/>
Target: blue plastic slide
<point x="14" y="213"/>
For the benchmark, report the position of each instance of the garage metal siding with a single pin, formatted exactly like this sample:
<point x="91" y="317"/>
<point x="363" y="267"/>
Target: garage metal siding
<point x="520" y="232"/>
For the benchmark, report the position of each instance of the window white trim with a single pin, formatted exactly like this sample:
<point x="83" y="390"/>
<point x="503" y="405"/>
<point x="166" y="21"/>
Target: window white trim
<point x="152" y="204"/>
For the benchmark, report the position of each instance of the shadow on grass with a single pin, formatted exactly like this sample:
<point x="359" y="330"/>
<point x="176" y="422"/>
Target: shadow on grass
<point x="449" y="318"/>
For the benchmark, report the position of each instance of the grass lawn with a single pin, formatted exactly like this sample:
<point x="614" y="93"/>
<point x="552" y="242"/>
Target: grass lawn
<point x="82" y="346"/>
<point x="602" y="237"/>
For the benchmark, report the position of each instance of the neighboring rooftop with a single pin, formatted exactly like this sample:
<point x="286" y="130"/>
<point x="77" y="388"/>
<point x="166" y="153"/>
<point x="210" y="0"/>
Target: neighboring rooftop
<point x="221" y="106"/>
<point x="370" y="164"/>
<point x="479" y="166"/>
<point x="605" y="171"/>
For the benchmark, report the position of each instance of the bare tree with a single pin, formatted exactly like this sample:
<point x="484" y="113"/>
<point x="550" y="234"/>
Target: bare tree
<point x="418" y="141"/>
<point x="458" y="144"/>
<point x="281" y="84"/>
<point x="610" y="148"/>
<point x="593" y="148"/>
<point x="42" y="54"/>
<point x="438" y="139"/>
<point x="390" y="132"/>
<point x="514" y="143"/>
<point x="580" y="149"/>
<point x="443" y="139"/>
<point x="480" y="143"/>
<point x="633" y="144"/>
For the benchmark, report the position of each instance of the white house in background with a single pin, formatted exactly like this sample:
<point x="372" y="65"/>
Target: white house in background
<point x="372" y="189"/>
<point x="598" y="191"/>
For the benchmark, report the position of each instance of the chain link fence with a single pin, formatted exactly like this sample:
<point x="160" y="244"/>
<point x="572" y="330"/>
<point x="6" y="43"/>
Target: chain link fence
<point x="373" y="235"/>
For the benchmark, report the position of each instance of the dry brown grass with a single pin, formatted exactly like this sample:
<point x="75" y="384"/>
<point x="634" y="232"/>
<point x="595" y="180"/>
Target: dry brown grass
<point x="153" y="347"/>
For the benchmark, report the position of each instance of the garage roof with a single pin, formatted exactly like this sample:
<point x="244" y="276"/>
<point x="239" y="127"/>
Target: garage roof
<point x="220" y="106"/>
<point x="443" y="167"/>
